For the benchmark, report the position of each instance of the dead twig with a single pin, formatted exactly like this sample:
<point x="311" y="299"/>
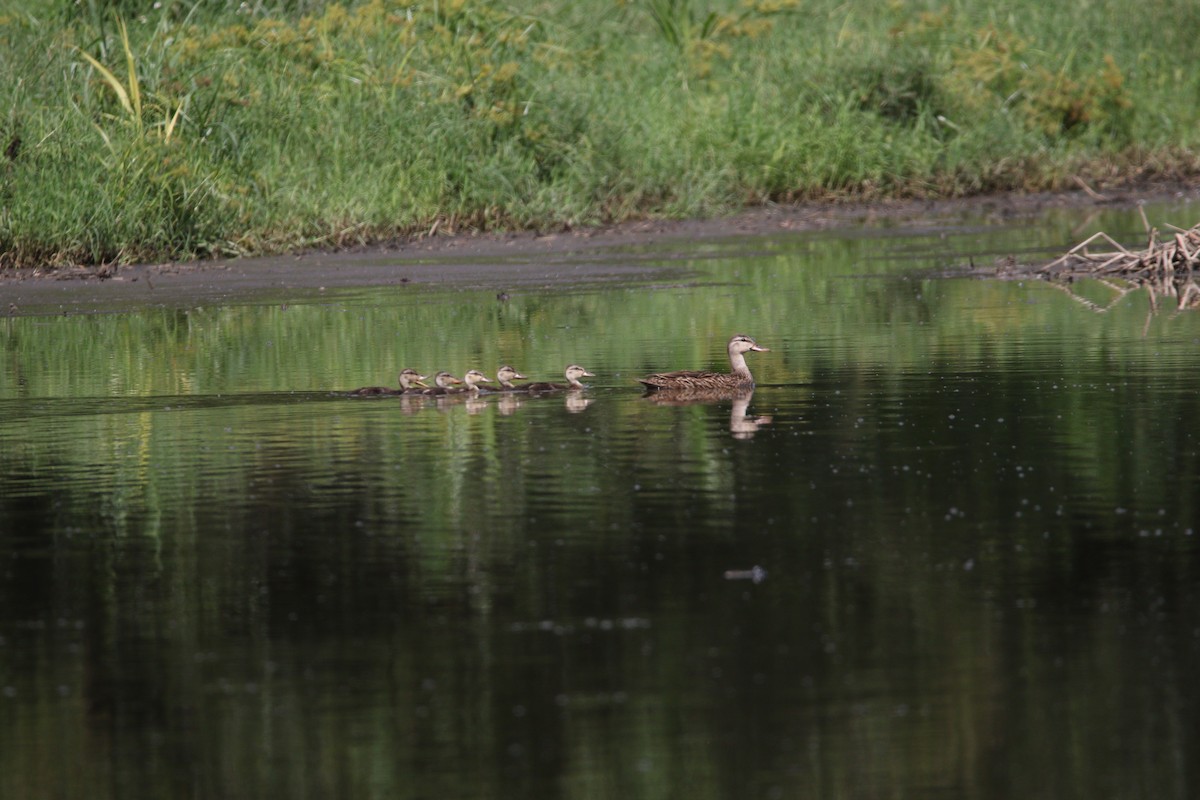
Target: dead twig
<point x="1165" y="267"/>
<point x="1089" y="191"/>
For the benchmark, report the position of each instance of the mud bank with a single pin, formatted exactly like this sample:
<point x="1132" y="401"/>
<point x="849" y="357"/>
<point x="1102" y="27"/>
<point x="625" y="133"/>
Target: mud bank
<point x="502" y="261"/>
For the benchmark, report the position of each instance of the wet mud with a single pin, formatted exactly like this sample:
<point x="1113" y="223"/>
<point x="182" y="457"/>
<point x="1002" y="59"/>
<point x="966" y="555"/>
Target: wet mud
<point x="504" y="261"/>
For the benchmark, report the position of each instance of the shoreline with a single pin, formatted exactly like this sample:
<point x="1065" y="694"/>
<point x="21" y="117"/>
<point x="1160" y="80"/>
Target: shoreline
<point x="488" y="260"/>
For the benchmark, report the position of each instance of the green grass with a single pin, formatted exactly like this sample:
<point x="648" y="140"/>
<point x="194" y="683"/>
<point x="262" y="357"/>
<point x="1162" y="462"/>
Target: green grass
<point x="293" y="124"/>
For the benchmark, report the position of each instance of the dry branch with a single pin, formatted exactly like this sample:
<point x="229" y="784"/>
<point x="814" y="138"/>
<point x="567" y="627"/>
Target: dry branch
<point x="1164" y="268"/>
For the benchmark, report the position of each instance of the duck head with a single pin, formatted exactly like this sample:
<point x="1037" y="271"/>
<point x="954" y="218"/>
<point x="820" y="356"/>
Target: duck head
<point x="506" y="375"/>
<point x="474" y="377"/>
<point x="410" y="378"/>
<point x="741" y="343"/>
<point x="444" y="380"/>
<point x="575" y="372"/>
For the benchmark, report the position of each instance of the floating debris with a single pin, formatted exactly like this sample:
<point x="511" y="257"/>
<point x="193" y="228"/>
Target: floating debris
<point x="1166" y="268"/>
<point x="590" y="623"/>
<point x="755" y="573"/>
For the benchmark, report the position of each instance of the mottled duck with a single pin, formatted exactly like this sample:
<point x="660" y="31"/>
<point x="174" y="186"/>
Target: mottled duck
<point x="699" y="380"/>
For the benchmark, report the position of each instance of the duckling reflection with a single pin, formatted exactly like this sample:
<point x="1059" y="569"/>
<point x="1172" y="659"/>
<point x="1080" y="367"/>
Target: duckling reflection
<point x="574" y="401"/>
<point x="411" y="402"/>
<point x="475" y="404"/>
<point x="741" y="424"/>
<point x="472" y="403"/>
<point x="508" y="403"/>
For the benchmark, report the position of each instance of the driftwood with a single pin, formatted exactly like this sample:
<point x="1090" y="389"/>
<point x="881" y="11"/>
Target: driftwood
<point x="1166" y="268"/>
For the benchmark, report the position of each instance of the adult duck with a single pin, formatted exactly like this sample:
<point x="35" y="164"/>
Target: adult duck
<point x="410" y="380"/>
<point x="573" y="372"/>
<point x="696" y="380"/>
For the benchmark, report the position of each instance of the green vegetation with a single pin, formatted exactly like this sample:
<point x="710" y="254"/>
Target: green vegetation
<point x="132" y="130"/>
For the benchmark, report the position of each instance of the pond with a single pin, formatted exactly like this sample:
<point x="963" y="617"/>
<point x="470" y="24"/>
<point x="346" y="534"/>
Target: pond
<point x="947" y="548"/>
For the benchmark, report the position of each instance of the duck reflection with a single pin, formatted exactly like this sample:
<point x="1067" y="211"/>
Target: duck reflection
<point x="508" y="403"/>
<point x="472" y="402"/>
<point x="741" y="424"/>
<point x="411" y="403"/>
<point x="576" y="402"/>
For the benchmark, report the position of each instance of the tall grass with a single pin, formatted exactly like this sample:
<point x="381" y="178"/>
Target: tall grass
<point x="264" y="127"/>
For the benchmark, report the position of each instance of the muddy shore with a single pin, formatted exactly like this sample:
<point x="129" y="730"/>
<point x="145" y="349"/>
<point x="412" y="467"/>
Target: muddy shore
<point x="490" y="260"/>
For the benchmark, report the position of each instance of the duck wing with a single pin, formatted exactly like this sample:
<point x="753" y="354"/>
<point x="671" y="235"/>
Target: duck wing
<point x="683" y="379"/>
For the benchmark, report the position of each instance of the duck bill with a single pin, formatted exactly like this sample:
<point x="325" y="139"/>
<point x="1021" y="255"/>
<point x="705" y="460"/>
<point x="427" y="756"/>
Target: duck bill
<point x="587" y="374"/>
<point x="760" y="349"/>
<point x="420" y="382"/>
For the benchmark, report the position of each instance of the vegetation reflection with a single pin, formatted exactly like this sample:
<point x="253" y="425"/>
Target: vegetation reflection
<point x="973" y="502"/>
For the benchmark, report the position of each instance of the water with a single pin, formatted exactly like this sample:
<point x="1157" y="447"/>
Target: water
<point x="972" y="510"/>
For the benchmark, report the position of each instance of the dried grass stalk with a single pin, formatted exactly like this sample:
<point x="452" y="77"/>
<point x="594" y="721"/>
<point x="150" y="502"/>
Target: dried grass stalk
<point x="1164" y="268"/>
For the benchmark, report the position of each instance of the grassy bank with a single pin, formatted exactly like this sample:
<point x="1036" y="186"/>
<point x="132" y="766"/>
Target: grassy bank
<point x="198" y="128"/>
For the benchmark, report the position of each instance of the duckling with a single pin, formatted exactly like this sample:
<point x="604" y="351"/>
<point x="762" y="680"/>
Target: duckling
<point x="739" y="377"/>
<point x="574" y="372"/>
<point x="444" y="383"/>
<point x="505" y="377"/>
<point x="472" y="380"/>
<point x="409" y="380"/>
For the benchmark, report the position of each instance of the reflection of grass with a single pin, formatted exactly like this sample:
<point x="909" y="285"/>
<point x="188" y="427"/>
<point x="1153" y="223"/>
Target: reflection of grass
<point x="299" y="527"/>
<point x="800" y="310"/>
<point x="335" y="124"/>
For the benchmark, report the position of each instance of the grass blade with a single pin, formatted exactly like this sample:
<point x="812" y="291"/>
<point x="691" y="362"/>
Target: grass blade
<point x="135" y="94"/>
<point x="111" y="80"/>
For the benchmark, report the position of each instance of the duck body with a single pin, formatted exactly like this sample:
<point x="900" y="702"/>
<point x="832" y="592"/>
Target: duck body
<point x="573" y="372"/>
<point x="738" y="377"/>
<point x="410" y="380"/>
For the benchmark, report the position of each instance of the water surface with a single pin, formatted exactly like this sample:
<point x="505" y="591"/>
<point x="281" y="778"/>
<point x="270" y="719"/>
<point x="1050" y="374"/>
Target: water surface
<point x="972" y="509"/>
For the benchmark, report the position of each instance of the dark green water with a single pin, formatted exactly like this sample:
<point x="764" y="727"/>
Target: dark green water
<point x="975" y="504"/>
